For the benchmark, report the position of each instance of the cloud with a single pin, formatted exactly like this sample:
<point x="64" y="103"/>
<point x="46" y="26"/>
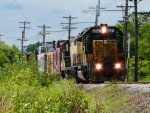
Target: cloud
<point x="50" y="12"/>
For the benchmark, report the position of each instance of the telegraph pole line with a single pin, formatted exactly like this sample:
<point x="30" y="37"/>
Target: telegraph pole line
<point x="136" y="42"/>
<point x="69" y="27"/>
<point x="125" y="20"/>
<point x="24" y="27"/>
<point x="136" y="39"/>
<point x="22" y="39"/>
<point x="44" y="32"/>
<point x="98" y="8"/>
<point x="97" y="13"/>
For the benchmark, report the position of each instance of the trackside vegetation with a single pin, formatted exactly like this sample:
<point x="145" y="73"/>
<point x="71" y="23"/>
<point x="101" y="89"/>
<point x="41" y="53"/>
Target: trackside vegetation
<point x="24" y="90"/>
<point x="143" y="48"/>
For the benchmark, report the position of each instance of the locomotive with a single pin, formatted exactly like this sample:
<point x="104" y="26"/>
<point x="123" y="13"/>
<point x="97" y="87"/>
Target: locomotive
<point x="95" y="55"/>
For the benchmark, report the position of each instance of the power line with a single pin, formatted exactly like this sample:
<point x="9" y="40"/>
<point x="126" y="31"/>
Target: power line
<point x="22" y="12"/>
<point x="110" y="4"/>
<point x="97" y="10"/>
<point x="146" y="16"/>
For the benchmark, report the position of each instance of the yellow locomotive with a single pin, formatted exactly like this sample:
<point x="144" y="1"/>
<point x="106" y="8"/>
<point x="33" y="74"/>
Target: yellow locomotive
<point x="99" y="55"/>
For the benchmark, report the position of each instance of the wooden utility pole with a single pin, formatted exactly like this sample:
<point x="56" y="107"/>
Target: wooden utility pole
<point x="23" y="34"/>
<point x="126" y="21"/>
<point x="97" y="10"/>
<point x="136" y="42"/>
<point x="69" y="28"/>
<point x="44" y="32"/>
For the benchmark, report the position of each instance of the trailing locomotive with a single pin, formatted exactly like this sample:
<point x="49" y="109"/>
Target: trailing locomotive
<point x="95" y="55"/>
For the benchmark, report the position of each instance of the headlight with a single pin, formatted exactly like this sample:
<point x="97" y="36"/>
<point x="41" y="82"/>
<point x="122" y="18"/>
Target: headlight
<point x="98" y="66"/>
<point x="104" y="29"/>
<point x="118" y="66"/>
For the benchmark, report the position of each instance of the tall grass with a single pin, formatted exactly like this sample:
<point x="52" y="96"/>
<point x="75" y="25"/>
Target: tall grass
<point x="24" y="90"/>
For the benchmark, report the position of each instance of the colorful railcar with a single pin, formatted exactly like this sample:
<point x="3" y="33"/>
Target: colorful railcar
<point x="45" y="58"/>
<point x="57" y="56"/>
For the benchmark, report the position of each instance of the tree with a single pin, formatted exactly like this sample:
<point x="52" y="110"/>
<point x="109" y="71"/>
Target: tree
<point x="33" y="47"/>
<point x="8" y="54"/>
<point x="144" y="44"/>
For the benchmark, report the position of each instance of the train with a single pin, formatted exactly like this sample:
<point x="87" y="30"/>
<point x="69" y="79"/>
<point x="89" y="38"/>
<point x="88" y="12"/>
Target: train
<point x="95" y="55"/>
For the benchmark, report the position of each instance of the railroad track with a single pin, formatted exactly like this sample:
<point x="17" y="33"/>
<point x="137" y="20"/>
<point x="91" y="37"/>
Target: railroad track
<point x="127" y="82"/>
<point x="134" y="86"/>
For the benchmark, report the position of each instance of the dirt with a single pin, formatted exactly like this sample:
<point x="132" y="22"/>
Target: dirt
<point x="139" y="96"/>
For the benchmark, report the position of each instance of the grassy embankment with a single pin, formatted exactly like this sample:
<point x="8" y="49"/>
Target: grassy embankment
<point x="24" y="90"/>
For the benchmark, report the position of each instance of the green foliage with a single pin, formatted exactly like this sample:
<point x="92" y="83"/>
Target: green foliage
<point x="25" y="90"/>
<point x="8" y="54"/>
<point x="143" y="45"/>
<point x="33" y="47"/>
<point x="143" y="71"/>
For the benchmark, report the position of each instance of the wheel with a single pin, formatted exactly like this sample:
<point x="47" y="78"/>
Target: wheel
<point x="62" y="74"/>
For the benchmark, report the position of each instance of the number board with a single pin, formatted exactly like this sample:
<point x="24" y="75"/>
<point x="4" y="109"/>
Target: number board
<point x="100" y="31"/>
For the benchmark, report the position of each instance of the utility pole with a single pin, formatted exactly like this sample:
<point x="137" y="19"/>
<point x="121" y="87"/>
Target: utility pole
<point x="69" y="28"/>
<point x="97" y="10"/>
<point x="0" y="37"/>
<point x="136" y="42"/>
<point x="44" y="32"/>
<point x="125" y="20"/>
<point x="136" y="39"/>
<point x="23" y="34"/>
<point x="97" y="13"/>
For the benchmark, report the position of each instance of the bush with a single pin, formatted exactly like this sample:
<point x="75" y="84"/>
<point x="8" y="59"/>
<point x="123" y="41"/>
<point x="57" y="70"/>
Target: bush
<point x="24" y="89"/>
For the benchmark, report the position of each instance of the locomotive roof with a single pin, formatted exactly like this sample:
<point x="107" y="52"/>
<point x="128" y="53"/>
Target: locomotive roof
<point x="88" y="30"/>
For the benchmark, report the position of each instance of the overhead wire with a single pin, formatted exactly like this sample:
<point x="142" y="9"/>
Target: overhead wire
<point x="25" y="17"/>
<point x="21" y="10"/>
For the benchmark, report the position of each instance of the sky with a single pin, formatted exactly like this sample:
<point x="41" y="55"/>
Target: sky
<point x="51" y="13"/>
